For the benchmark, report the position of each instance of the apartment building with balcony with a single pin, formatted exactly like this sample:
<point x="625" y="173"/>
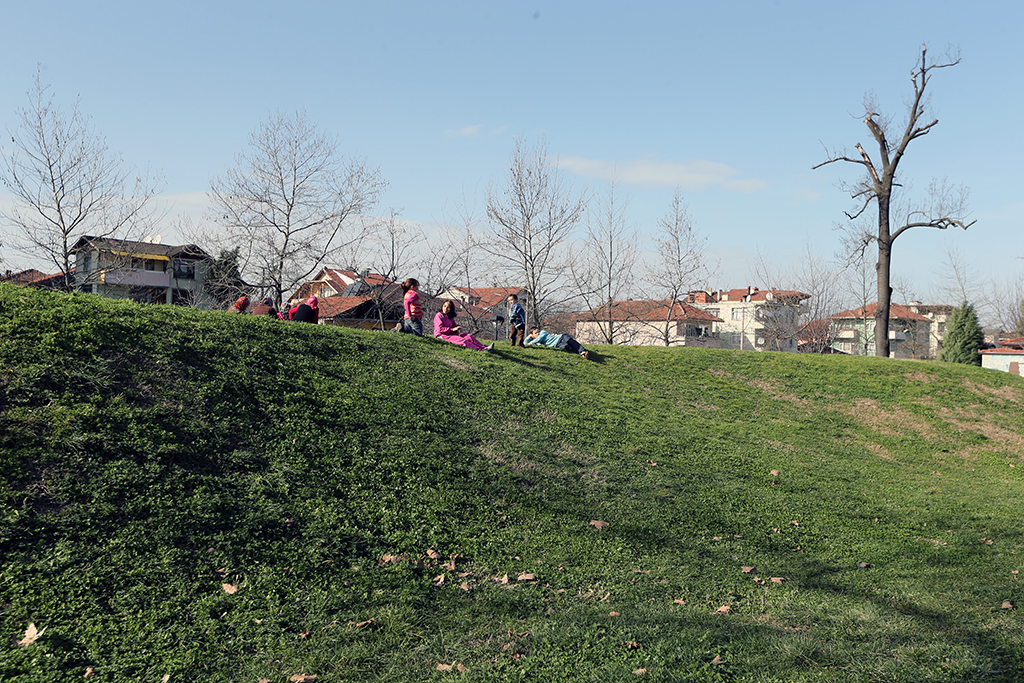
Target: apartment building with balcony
<point x="147" y="272"/>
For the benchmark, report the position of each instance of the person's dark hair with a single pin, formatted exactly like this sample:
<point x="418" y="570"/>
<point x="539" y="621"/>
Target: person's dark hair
<point x="534" y="329"/>
<point x="513" y="297"/>
<point x="409" y="284"/>
<point x="447" y="306"/>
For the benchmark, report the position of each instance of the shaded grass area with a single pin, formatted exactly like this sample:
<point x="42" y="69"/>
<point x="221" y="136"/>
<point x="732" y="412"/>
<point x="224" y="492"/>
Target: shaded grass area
<point x="154" y="459"/>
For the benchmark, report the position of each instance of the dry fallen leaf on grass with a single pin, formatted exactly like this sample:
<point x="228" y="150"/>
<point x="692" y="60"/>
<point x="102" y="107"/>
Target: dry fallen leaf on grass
<point x="631" y="645"/>
<point x="433" y="554"/>
<point x="724" y="609"/>
<point x="464" y="586"/>
<point x="640" y="672"/>
<point x="774" y="473"/>
<point x="31" y="635"/>
<point x="502" y="579"/>
<point x="363" y="624"/>
<point x="986" y="541"/>
<point x="526" y="577"/>
<point x="1007" y="604"/>
<point x="614" y="614"/>
<point x="654" y="464"/>
<point x="229" y="588"/>
<point x="864" y="565"/>
<point x="388" y="559"/>
<point x="717" y="659"/>
<point x="759" y="581"/>
<point x="89" y="673"/>
<point x="598" y="524"/>
<point x="794" y="523"/>
<point x="302" y="678"/>
<point x="439" y="580"/>
<point x="749" y="570"/>
<point x="778" y="579"/>
<point x="679" y="601"/>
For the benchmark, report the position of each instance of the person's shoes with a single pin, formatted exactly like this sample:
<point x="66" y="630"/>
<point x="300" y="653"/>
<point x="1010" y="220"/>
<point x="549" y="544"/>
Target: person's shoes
<point x="490" y="348"/>
<point x="585" y="354"/>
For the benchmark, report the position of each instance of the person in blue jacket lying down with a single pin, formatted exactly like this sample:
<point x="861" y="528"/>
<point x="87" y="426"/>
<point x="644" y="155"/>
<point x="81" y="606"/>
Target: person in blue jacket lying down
<point x="564" y="342"/>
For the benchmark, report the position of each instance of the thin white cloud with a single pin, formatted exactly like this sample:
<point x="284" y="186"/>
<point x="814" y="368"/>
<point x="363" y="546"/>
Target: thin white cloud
<point x="465" y="132"/>
<point x="689" y="175"/>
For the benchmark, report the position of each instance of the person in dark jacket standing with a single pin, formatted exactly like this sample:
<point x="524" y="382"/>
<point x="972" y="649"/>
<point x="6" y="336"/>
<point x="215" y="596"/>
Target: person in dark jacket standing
<point x="516" y="320"/>
<point x="307" y="312"/>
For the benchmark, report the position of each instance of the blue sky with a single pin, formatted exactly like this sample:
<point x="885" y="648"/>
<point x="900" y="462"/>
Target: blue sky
<point x="733" y="101"/>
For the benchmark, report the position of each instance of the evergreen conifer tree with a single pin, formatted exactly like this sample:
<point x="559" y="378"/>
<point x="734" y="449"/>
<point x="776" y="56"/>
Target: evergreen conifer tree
<point x="963" y="337"/>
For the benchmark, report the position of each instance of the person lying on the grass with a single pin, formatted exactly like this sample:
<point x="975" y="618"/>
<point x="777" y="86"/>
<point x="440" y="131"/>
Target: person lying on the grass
<point x="446" y="329"/>
<point x="556" y="341"/>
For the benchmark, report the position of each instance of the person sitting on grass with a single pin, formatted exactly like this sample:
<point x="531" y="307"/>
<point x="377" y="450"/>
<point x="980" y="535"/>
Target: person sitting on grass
<point x="564" y="342"/>
<point x="446" y="329"/>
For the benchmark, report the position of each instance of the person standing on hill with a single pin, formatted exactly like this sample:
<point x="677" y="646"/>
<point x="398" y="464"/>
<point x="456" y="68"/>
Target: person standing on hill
<point x="516" y="320"/>
<point x="413" y="321"/>
<point x="446" y="329"/>
<point x="240" y="306"/>
<point x="308" y="312"/>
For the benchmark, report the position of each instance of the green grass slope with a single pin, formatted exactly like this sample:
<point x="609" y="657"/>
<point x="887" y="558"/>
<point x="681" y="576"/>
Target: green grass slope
<point x="192" y="496"/>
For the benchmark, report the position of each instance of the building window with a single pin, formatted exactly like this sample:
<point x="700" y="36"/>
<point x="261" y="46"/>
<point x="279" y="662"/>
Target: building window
<point x="737" y="314"/>
<point x="87" y="261"/>
<point x="149" y="295"/>
<point x="184" y="269"/>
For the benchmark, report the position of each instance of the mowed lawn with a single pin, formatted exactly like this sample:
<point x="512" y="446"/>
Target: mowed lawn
<point x="201" y="496"/>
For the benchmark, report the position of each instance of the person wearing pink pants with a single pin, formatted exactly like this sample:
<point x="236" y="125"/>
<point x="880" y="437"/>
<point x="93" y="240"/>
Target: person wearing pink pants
<point x="446" y="329"/>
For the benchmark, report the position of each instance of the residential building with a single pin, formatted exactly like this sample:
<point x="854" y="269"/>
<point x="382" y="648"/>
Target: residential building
<point x="938" y="315"/>
<point x="648" y="323"/>
<point x="147" y="272"/>
<point x="35" y="278"/>
<point x="1007" y="357"/>
<point x="336" y="282"/>
<point x="755" y="319"/>
<point x="910" y="334"/>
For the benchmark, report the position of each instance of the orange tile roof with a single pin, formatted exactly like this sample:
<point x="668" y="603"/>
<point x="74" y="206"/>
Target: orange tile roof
<point x="650" y="310"/>
<point x="896" y="312"/>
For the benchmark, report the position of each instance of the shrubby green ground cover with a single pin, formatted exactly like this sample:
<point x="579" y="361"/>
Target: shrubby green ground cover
<point x="213" y="497"/>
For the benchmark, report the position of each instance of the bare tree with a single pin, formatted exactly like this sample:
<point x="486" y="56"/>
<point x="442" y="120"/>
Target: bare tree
<point x="531" y="221"/>
<point x="292" y="203"/>
<point x="602" y="267"/>
<point x="394" y="244"/>
<point x="810" y="274"/>
<point x="1006" y="304"/>
<point x="680" y="264"/>
<point x="945" y="206"/>
<point x="67" y="184"/>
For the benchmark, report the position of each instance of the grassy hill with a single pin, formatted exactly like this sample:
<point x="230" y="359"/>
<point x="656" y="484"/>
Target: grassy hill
<point x="201" y="496"/>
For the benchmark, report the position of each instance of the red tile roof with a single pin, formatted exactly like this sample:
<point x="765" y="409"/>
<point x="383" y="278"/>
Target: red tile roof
<point x="488" y="297"/>
<point x="756" y="294"/>
<point x="1003" y="352"/>
<point x="896" y="312"/>
<point x="649" y="310"/>
<point x="333" y="306"/>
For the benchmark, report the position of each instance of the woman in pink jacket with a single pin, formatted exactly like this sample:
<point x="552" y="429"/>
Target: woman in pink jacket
<point x="446" y="329"/>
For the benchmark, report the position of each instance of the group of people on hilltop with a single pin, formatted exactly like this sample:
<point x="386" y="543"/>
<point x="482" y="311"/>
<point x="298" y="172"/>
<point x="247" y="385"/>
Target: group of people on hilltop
<point x="445" y="326"/>
<point x="306" y="312"/>
<point x="447" y="329"/>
